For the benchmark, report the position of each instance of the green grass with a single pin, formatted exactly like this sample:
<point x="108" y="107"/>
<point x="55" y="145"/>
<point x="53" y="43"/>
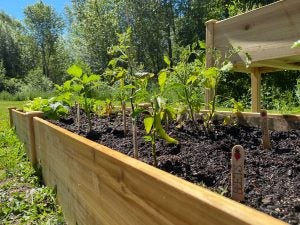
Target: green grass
<point x="23" y="200"/>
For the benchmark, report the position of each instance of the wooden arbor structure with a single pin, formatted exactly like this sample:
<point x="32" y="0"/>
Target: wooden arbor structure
<point x="266" y="34"/>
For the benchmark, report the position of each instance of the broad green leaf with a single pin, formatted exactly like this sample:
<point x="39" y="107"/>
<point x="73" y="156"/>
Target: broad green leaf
<point x="85" y="79"/>
<point x="191" y="80"/>
<point x="148" y="122"/>
<point x="77" y="87"/>
<point x="161" y="102"/>
<point x="202" y="44"/>
<point x="75" y="71"/>
<point x="67" y="85"/>
<point x="211" y="72"/>
<point x="58" y="87"/>
<point x="121" y="74"/>
<point x="93" y="78"/>
<point x="162" y="78"/>
<point x="167" y="60"/>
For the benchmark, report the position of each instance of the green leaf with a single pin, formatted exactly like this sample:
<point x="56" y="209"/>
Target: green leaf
<point x="93" y="78"/>
<point x="85" y="78"/>
<point x="75" y="71"/>
<point x="202" y="44"/>
<point x="191" y="80"/>
<point x="161" y="132"/>
<point x="296" y="44"/>
<point x="161" y="102"/>
<point x="129" y="86"/>
<point x="148" y="122"/>
<point x="162" y="78"/>
<point x="211" y="72"/>
<point x="148" y="138"/>
<point x="121" y="74"/>
<point x="167" y="60"/>
<point x="112" y="63"/>
<point x="77" y="87"/>
<point x="67" y="85"/>
<point x="170" y="112"/>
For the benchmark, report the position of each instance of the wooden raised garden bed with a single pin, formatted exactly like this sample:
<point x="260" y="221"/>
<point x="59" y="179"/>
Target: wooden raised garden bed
<point x="97" y="185"/>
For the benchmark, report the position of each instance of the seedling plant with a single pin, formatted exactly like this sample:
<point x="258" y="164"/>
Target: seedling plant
<point x="153" y="122"/>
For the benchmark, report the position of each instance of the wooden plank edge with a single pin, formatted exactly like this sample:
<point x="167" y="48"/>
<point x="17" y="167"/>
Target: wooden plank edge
<point x="220" y="203"/>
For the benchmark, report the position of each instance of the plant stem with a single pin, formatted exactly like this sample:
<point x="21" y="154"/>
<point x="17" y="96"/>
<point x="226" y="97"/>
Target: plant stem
<point x="134" y="139"/>
<point x="124" y="117"/>
<point x="154" y="149"/>
<point x="189" y="105"/>
<point x="213" y="107"/>
<point x="88" y="114"/>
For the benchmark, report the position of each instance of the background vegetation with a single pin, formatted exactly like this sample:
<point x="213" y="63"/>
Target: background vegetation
<point x="35" y="53"/>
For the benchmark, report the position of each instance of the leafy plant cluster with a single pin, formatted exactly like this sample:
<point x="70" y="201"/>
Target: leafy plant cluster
<point x="180" y="83"/>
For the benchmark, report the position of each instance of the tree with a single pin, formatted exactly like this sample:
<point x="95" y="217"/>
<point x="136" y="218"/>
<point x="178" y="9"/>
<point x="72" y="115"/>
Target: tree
<point x="45" y="26"/>
<point x="93" y="28"/>
<point x="10" y="52"/>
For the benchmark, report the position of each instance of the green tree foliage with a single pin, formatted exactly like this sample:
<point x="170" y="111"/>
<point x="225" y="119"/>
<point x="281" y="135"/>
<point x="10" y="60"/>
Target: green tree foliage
<point x="45" y="26"/>
<point x="93" y="30"/>
<point x="10" y="45"/>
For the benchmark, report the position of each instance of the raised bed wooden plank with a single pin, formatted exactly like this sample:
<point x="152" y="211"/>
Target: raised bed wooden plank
<point x="97" y="185"/>
<point x="23" y="123"/>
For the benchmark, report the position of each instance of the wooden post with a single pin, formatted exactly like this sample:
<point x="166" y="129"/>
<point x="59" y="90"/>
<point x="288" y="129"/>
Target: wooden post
<point x="237" y="173"/>
<point x="77" y="106"/>
<point x="255" y="89"/>
<point x="10" y="116"/>
<point x="209" y="57"/>
<point x="124" y="117"/>
<point x="32" y="148"/>
<point x="265" y="129"/>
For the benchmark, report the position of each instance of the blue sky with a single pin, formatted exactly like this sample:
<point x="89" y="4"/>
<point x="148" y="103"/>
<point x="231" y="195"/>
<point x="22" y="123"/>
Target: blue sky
<point x="15" y="8"/>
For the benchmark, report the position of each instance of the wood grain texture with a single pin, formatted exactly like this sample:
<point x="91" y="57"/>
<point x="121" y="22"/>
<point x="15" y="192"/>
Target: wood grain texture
<point x="23" y="123"/>
<point x="97" y="185"/>
<point x="266" y="34"/>
<point x="255" y="90"/>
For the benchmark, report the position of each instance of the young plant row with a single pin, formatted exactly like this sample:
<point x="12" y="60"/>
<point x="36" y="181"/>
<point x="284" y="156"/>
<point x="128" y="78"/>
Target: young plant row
<point x="186" y="80"/>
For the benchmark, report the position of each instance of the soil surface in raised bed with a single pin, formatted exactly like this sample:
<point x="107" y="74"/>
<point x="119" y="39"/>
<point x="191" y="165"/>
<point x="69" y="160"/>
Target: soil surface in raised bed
<point x="272" y="177"/>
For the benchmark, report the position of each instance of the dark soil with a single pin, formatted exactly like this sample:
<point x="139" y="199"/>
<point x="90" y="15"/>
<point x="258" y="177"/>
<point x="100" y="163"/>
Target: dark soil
<point x="272" y="176"/>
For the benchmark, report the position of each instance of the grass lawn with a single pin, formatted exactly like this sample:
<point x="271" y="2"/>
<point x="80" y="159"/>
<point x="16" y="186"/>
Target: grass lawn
<point x="23" y="200"/>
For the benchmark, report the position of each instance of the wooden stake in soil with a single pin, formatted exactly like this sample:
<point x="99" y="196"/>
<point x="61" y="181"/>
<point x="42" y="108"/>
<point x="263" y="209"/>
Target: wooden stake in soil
<point x="237" y="173"/>
<point x="124" y="117"/>
<point x="77" y="115"/>
<point x="134" y="139"/>
<point x="265" y="129"/>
